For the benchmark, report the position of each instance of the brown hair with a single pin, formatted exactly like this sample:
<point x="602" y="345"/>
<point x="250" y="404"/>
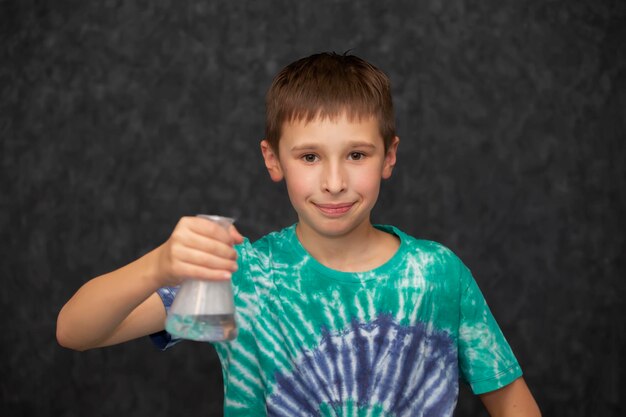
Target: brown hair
<point x="327" y="85"/>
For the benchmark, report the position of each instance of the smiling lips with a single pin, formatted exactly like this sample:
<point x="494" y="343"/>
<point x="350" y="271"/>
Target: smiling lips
<point x="334" y="209"/>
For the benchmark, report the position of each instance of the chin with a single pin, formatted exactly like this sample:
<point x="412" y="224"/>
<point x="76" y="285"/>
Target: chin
<point x="334" y="228"/>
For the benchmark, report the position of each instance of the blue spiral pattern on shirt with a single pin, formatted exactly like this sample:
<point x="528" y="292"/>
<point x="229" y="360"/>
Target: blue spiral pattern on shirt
<point x="399" y="370"/>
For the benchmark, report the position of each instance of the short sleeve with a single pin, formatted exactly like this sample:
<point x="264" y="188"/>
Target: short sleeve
<point x="163" y="339"/>
<point x="486" y="360"/>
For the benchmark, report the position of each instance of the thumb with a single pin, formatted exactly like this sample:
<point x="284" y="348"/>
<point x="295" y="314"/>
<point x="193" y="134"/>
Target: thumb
<point x="234" y="233"/>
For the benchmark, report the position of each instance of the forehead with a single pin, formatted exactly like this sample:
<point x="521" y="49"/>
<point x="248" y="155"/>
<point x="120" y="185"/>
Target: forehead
<point x="331" y="130"/>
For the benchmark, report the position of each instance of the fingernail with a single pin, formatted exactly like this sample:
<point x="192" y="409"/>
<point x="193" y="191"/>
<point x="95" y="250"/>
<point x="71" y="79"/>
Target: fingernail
<point x="227" y="275"/>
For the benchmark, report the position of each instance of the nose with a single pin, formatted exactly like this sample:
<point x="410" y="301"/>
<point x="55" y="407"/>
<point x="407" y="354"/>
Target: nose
<point x="334" y="180"/>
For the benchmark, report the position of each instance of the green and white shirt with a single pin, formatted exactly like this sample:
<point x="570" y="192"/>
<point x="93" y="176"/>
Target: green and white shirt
<point x="393" y="341"/>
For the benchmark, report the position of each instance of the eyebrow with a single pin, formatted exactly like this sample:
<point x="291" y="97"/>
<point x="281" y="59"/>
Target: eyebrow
<point x="352" y="144"/>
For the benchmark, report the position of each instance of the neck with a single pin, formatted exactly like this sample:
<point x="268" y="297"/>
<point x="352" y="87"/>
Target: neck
<point x="362" y="249"/>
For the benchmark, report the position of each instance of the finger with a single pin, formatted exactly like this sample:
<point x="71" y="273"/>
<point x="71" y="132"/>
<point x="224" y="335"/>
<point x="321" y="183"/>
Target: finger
<point x="199" y="272"/>
<point x="234" y="233"/>
<point x="210" y="229"/>
<point x="206" y="260"/>
<point x="209" y="245"/>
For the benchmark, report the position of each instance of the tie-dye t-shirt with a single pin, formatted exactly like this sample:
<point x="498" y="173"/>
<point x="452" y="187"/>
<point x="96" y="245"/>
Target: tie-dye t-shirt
<point x="393" y="341"/>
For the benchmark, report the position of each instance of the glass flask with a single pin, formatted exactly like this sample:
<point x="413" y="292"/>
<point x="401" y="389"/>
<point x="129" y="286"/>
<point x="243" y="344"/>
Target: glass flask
<point x="204" y="310"/>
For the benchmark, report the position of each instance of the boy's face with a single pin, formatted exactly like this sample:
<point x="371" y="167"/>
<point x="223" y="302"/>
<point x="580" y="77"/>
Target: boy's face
<point x="333" y="170"/>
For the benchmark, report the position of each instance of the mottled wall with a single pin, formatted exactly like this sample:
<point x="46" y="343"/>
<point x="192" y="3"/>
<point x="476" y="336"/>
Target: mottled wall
<point x="117" y="118"/>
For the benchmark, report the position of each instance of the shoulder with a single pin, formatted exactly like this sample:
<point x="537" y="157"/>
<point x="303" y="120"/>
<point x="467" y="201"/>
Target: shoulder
<point x="257" y="260"/>
<point x="260" y="251"/>
<point x="430" y="255"/>
<point x="275" y="241"/>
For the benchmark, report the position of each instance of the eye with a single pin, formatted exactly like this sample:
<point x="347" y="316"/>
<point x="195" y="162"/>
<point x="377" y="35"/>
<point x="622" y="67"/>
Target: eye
<point x="310" y="158"/>
<point x="356" y="156"/>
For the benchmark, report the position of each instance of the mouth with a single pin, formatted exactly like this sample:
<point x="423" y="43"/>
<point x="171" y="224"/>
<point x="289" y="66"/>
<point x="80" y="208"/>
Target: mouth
<point x="334" y="209"/>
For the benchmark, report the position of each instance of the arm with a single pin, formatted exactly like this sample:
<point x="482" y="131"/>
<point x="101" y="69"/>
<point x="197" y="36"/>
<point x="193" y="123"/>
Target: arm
<point x="113" y="308"/>
<point x="513" y="400"/>
<point x="122" y="305"/>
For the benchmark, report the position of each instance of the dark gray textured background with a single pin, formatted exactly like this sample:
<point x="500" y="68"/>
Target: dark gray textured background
<point x="117" y="118"/>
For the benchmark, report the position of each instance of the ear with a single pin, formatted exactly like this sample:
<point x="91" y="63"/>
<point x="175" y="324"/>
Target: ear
<point x="272" y="163"/>
<point x="390" y="158"/>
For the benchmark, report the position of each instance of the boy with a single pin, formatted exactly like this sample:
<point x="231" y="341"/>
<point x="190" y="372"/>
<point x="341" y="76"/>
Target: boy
<point x="336" y="316"/>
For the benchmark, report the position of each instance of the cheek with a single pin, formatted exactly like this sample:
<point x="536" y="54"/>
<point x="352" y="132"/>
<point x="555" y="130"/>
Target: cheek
<point x="367" y="182"/>
<point x="298" y="183"/>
